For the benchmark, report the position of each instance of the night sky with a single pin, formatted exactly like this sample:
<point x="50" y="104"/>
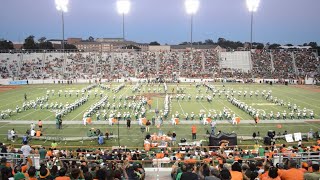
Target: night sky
<point x="165" y="21"/>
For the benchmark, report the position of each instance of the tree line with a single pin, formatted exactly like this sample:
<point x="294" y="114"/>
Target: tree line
<point x="42" y="43"/>
<point x="228" y="44"/>
<point x="31" y="43"/>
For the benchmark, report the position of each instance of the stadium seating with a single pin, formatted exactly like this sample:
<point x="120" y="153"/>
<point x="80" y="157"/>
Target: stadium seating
<point x="199" y="64"/>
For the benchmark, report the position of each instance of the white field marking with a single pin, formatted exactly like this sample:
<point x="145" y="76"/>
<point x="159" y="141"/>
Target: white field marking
<point x="20" y="89"/>
<point x="299" y="100"/>
<point x="263" y="104"/>
<point x="318" y="127"/>
<point x="20" y="118"/>
<point x="4" y="125"/>
<point x="181" y="108"/>
<point x="49" y="116"/>
<point x="15" y="102"/>
<point x="157" y="103"/>
<point x="202" y="105"/>
<point x="297" y="94"/>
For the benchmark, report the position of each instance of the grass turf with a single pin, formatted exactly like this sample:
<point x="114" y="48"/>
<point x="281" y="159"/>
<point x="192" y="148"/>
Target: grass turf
<point x="133" y="137"/>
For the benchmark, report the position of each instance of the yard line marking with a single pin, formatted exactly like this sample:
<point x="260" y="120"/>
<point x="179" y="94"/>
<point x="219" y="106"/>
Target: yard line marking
<point x="298" y="94"/>
<point x="15" y="102"/>
<point x="202" y="105"/>
<point x="312" y="125"/>
<point x="157" y="103"/>
<point x="314" y="107"/>
<point x="181" y="107"/>
<point x="20" y="118"/>
<point x="4" y="125"/>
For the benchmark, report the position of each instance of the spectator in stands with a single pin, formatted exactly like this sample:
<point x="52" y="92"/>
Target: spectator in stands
<point x="26" y="150"/>
<point x="32" y="173"/>
<point x="214" y="175"/>
<point x="76" y="173"/>
<point x="189" y="174"/>
<point x="18" y="175"/>
<point x="62" y="174"/>
<point x="44" y="173"/>
<point x="42" y="153"/>
<point x="54" y="171"/>
<point x="236" y="172"/>
<point x="272" y="174"/>
<point x="225" y="174"/>
<point x="315" y="174"/>
<point x="292" y="173"/>
<point x="266" y="170"/>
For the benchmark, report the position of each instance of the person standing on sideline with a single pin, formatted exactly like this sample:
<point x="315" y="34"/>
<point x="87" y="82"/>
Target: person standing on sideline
<point x="40" y="125"/>
<point x="128" y="123"/>
<point x="148" y="126"/>
<point x="25" y="97"/>
<point x="57" y="123"/>
<point x="32" y="126"/>
<point x="13" y="135"/>
<point x="60" y="123"/>
<point x="213" y="126"/>
<point x="174" y="135"/>
<point x="194" y="132"/>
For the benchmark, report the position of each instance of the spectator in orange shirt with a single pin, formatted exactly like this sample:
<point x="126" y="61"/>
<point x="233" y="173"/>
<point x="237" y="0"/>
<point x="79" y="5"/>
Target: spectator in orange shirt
<point x="236" y="172"/>
<point x="49" y="153"/>
<point x="194" y="132"/>
<point x="304" y="167"/>
<point x="272" y="174"/>
<point x="266" y="170"/>
<point x="292" y="173"/>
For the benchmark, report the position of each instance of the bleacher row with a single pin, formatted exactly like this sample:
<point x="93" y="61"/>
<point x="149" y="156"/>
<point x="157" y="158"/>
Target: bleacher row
<point x="199" y="64"/>
<point x="238" y="162"/>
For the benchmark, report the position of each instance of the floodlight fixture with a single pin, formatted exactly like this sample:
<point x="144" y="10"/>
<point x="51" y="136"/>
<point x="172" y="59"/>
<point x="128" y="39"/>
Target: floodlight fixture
<point x="192" y="6"/>
<point x="62" y="5"/>
<point x="123" y="6"/>
<point x="253" y="5"/>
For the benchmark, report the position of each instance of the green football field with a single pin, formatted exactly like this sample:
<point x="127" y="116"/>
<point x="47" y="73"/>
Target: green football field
<point x="308" y="98"/>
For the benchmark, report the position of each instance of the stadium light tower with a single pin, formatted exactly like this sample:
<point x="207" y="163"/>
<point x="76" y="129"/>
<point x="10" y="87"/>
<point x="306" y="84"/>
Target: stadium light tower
<point x="252" y="6"/>
<point x="62" y="5"/>
<point x="123" y="7"/>
<point x="192" y="7"/>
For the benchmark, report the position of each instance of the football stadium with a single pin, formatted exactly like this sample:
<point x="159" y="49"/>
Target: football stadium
<point x="112" y="108"/>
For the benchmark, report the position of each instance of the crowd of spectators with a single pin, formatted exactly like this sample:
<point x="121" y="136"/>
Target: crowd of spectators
<point x="306" y="63"/>
<point x="262" y="67"/>
<point x="189" y="162"/>
<point x="199" y="64"/>
<point x="283" y="65"/>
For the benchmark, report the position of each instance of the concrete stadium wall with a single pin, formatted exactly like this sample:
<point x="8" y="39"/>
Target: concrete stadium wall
<point x="184" y="80"/>
<point x="159" y="48"/>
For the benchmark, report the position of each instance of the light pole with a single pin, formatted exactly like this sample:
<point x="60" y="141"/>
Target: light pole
<point x="62" y="5"/>
<point x="192" y="7"/>
<point x="252" y="6"/>
<point x="123" y="7"/>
